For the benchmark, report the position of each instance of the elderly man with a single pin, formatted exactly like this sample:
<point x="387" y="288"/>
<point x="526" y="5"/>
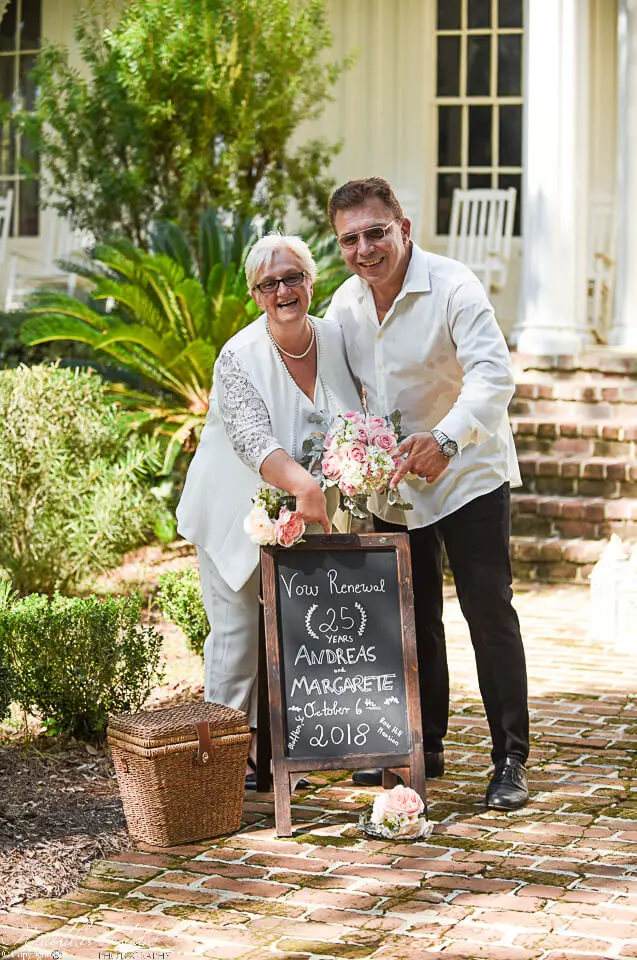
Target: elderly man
<point x="422" y="338"/>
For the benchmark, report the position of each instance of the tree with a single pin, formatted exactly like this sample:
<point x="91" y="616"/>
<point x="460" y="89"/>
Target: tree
<point x="182" y="105"/>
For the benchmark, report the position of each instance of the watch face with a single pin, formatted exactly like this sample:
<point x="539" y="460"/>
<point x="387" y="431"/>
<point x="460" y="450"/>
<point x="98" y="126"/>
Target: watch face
<point x="449" y="448"/>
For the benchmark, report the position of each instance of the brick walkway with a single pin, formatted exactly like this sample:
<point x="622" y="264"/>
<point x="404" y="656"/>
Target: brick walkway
<point x="554" y="881"/>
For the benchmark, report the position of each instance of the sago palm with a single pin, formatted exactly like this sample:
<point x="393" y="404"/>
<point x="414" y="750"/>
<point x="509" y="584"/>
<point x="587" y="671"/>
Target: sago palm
<point x="161" y="316"/>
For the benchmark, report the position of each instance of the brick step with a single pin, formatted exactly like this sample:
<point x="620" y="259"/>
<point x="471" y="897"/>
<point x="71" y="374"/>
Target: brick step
<point x="554" y="560"/>
<point x="547" y="436"/>
<point x="576" y="411"/>
<point x="588" y="518"/>
<point x="594" y="363"/>
<point x="607" y="477"/>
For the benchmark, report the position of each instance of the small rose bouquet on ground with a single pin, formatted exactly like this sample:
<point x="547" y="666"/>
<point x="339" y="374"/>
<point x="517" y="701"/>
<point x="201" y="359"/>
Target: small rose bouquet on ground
<point x="273" y="519"/>
<point x="359" y="455"/>
<point x="397" y="814"/>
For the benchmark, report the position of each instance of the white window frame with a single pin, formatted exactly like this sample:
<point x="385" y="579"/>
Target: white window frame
<point x="13" y="181"/>
<point x="464" y="102"/>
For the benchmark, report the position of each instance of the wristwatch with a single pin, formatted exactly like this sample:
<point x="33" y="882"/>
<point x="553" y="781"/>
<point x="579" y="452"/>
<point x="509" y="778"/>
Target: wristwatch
<point x="448" y="447"/>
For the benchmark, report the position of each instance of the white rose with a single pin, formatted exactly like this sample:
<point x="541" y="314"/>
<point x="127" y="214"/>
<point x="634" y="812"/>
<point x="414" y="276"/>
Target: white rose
<point x="259" y="527"/>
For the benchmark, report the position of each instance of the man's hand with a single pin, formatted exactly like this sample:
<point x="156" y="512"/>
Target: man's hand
<point x="423" y="458"/>
<point x="311" y="504"/>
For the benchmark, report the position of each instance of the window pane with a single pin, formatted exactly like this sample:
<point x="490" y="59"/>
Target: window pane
<point x="480" y="124"/>
<point x="510" y="136"/>
<point x="28" y="208"/>
<point x="476" y="180"/>
<point x="510" y="13"/>
<point x="448" y="14"/>
<point x="7" y="27"/>
<point x="27" y="86"/>
<point x="31" y="21"/>
<point x="479" y="13"/>
<point x="447" y="182"/>
<point x="7" y="67"/>
<point x="449" y="136"/>
<point x="448" y="66"/>
<point x="506" y="180"/>
<point x="510" y="65"/>
<point x="478" y="66"/>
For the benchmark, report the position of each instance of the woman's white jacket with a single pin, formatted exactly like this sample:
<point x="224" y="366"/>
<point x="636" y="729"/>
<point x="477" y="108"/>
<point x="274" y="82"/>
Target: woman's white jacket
<point x="219" y="485"/>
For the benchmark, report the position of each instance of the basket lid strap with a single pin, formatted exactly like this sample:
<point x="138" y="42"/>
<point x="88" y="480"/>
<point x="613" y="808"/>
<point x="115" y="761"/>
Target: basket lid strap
<point x="204" y="750"/>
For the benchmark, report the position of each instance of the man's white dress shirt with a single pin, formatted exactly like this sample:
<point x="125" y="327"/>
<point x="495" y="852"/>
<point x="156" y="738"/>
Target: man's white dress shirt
<point x="440" y="358"/>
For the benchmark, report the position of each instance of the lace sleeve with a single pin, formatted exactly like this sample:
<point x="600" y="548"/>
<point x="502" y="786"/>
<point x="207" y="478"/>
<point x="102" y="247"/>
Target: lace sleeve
<point x="244" y="414"/>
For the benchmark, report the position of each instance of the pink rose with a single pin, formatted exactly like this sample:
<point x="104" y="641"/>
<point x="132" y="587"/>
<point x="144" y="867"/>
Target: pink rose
<point x="332" y="466"/>
<point x="404" y="801"/>
<point x="360" y="434"/>
<point x="384" y="440"/>
<point x="289" y="528"/>
<point x="356" y="452"/>
<point x="376" y="423"/>
<point x="349" y="489"/>
<point x="354" y="417"/>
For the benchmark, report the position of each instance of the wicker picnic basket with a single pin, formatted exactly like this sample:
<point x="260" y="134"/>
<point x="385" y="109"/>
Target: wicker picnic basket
<point x="181" y="771"/>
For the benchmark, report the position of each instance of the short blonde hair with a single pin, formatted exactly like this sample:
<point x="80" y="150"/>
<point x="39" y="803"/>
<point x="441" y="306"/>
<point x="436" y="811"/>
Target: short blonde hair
<point x="263" y="252"/>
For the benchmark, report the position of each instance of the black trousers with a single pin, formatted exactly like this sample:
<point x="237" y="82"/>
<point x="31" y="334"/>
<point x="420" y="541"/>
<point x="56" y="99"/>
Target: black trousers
<point x="476" y="538"/>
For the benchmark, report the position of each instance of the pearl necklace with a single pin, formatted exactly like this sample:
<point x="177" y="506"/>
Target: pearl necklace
<point x="292" y="356"/>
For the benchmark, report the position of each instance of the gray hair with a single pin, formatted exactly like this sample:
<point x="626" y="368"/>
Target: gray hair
<point x="262" y="254"/>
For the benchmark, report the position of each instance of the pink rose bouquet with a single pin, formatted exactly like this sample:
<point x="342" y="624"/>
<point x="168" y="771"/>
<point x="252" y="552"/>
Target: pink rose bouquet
<point x="359" y="455"/>
<point x="271" y="521"/>
<point x="397" y="814"/>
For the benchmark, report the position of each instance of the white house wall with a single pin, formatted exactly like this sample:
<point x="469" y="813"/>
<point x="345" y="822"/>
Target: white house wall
<point x="384" y="109"/>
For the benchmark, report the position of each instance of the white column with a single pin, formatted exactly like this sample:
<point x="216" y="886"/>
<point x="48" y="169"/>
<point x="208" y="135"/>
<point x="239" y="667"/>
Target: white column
<point x="553" y="288"/>
<point x="624" y="328"/>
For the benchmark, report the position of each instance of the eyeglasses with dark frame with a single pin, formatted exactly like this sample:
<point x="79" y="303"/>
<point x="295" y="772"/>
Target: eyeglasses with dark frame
<point x="289" y="280"/>
<point x="373" y="234"/>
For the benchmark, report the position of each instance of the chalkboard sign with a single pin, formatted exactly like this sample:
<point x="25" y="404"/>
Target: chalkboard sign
<point x="341" y="659"/>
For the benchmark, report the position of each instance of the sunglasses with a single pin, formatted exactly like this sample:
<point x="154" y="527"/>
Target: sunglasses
<point x="289" y="280"/>
<point x="373" y="234"/>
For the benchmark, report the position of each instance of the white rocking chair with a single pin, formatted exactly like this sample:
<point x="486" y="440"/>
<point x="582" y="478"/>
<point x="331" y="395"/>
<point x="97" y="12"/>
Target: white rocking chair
<point x="480" y="232"/>
<point x="6" y="209"/>
<point x="27" y="273"/>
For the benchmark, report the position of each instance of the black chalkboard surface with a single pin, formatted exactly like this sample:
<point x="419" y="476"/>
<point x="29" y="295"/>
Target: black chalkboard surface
<point x="339" y="684"/>
<point x="343" y="668"/>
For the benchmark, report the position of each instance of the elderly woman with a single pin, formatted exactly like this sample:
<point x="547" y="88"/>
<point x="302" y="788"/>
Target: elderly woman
<point x="268" y="380"/>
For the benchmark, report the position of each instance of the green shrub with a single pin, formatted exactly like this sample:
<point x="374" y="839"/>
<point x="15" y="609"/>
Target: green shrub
<point x="74" y="493"/>
<point x="79" y="659"/>
<point x="179" y="599"/>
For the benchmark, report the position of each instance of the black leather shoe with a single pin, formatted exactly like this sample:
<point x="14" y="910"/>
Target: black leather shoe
<point x="434" y="767"/>
<point x="508" y="789"/>
<point x="368" y="778"/>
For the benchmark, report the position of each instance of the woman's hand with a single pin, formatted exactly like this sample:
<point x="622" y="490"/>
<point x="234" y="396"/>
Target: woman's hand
<point x="283" y="472"/>
<point x="311" y="503"/>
